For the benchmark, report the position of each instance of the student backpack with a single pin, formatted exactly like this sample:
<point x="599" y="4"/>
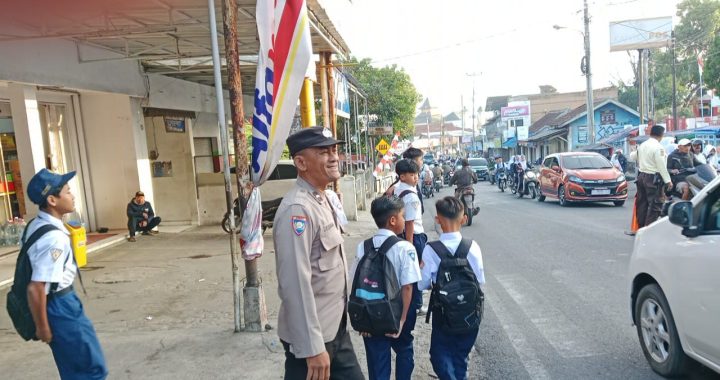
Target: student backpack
<point x="375" y="304"/>
<point x="17" y="299"/>
<point x="456" y="299"/>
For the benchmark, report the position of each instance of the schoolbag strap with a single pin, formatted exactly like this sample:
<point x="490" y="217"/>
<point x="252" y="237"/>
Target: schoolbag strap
<point x="404" y="193"/>
<point x="34" y="237"/>
<point x="387" y="244"/>
<point x="440" y="249"/>
<point x="27" y="227"/>
<point x="463" y="249"/>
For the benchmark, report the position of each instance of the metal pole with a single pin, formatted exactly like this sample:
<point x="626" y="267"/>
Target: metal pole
<point x="442" y="134"/>
<point x="307" y="104"/>
<point x="225" y="158"/>
<point x="462" y="120"/>
<point x="674" y="89"/>
<point x="331" y="103"/>
<point x="641" y="87"/>
<point x="428" y="130"/>
<point x="588" y="78"/>
<point x="371" y="159"/>
<point x="473" y="115"/>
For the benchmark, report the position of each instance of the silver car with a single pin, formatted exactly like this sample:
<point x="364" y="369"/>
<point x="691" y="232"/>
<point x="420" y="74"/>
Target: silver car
<point x="675" y="285"/>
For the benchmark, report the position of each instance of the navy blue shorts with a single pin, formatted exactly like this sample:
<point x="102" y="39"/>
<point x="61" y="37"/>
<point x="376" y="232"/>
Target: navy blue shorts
<point x="74" y="343"/>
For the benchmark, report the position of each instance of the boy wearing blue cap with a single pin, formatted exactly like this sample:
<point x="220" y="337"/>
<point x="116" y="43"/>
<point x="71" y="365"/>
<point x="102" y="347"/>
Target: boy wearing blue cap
<point x="56" y="310"/>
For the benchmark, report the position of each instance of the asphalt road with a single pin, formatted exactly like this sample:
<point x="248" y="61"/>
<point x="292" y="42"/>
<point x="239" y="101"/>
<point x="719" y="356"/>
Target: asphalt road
<point x="556" y="293"/>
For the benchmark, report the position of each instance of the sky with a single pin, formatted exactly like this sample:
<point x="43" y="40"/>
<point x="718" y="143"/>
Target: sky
<point x="507" y="47"/>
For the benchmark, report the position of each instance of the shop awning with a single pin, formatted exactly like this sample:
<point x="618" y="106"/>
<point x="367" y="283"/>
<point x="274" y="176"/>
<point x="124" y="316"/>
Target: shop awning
<point x="548" y="134"/>
<point x="509" y="143"/>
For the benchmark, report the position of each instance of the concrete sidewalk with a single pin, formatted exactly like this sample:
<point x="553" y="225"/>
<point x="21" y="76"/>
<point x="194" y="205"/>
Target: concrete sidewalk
<point x="163" y="310"/>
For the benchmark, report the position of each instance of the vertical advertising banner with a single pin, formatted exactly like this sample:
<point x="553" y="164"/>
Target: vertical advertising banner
<point x="283" y="60"/>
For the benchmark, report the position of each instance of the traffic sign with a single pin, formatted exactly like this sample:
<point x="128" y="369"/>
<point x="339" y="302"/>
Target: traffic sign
<point x="382" y="146"/>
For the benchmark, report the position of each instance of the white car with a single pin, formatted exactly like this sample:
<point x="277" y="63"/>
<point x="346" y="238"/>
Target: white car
<point x="675" y="285"/>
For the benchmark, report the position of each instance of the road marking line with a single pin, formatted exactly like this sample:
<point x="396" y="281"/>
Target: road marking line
<point x="528" y="356"/>
<point x="564" y="335"/>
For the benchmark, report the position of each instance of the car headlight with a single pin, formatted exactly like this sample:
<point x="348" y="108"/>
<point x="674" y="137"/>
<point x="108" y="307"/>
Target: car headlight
<point x="621" y="178"/>
<point x="576" y="179"/>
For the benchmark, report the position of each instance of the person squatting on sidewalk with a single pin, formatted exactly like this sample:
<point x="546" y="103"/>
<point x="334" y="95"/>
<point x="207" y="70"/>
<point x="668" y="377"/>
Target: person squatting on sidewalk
<point x="56" y="310"/>
<point x="141" y="216"/>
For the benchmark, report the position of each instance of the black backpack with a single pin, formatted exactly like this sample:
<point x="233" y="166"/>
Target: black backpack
<point x="375" y="304"/>
<point x="456" y="298"/>
<point x="17" y="301"/>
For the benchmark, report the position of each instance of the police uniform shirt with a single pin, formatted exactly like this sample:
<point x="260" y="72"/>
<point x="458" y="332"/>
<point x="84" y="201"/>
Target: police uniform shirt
<point x="651" y="158"/>
<point x="413" y="208"/>
<point x="311" y="270"/>
<point x="50" y="256"/>
<point x="432" y="260"/>
<point x="402" y="255"/>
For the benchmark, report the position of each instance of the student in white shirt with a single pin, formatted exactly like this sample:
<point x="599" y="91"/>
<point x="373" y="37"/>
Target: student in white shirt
<point x="448" y="352"/>
<point x="388" y="215"/>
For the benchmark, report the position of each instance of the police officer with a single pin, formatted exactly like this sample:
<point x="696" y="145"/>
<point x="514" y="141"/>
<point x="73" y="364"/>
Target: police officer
<point x="312" y="266"/>
<point x="56" y="309"/>
<point x="653" y="178"/>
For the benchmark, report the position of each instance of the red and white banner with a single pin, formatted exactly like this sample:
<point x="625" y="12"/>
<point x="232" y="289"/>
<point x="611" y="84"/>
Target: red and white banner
<point x="387" y="158"/>
<point x="283" y="61"/>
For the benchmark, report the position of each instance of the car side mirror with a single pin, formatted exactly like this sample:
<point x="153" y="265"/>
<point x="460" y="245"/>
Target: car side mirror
<point x="555" y="168"/>
<point x="680" y="214"/>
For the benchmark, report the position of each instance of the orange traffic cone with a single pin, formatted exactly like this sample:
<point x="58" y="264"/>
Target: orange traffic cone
<point x="634" y="223"/>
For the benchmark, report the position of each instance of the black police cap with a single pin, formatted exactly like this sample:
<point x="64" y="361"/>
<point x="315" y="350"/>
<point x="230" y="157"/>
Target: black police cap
<point x="309" y="138"/>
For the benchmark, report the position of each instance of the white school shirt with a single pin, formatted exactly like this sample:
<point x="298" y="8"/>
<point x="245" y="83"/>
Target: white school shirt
<point x="432" y="260"/>
<point x="402" y="255"/>
<point x="51" y="256"/>
<point x="413" y="207"/>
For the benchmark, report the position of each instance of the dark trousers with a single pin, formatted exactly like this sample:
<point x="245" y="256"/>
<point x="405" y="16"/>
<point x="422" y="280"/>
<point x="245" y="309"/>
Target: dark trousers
<point x="377" y="350"/>
<point x="74" y="344"/>
<point x="650" y="199"/>
<point x="134" y="224"/>
<point x="343" y="362"/>
<point x="419" y="242"/>
<point x="449" y="353"/>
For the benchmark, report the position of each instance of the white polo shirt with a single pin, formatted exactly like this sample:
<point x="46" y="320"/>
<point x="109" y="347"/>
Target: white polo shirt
<point x="413" y="207"/>
<point x="51" y="256"/>
<point x="402" y="255"/>
<point x="432" y="260"/>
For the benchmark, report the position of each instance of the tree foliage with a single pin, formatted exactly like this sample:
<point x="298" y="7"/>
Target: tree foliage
<point x="698" y="26"/>
<point x="712" y="65"/>
<point x="390" y="92"/>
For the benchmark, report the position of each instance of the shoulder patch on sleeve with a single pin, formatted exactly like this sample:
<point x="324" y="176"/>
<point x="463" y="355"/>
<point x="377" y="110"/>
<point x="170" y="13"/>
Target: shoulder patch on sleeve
<point x="299" y="224"/>
<point x="55" y="253"/>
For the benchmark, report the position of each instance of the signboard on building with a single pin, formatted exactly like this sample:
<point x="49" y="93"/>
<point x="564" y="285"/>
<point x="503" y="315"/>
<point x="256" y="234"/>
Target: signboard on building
<point x="640" y="34"/>
<point x="582" y="134"/>
<point x="381" y="131"/>
<point x="342" y="96"/>
<point x="382" y="146"/>
<point x="523" y="133"/>
<point x="607" y="117"/>
<point x="513" y="112"/>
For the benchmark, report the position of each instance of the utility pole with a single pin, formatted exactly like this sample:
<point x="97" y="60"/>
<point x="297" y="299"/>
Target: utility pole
<point x="641" y="86"/>
<point x="674" y="89"/>
<point x="254" y="307"/>
<point x="473" y="115"/>
<point x="588" y="78"/>
<point x="462" y="120"/>
<point x="442" y="134"/>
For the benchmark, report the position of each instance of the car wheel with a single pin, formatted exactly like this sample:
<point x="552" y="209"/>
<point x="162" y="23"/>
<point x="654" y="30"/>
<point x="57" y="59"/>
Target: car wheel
<point x="657" y="333"/>
<point x="561" y="196"/>
<point x="619" y="203"/>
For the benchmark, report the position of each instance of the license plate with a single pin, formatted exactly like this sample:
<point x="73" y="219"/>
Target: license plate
<point x="601" y="192"/>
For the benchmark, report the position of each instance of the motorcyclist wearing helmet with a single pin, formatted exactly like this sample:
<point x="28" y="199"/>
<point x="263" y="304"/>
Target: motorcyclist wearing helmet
<point x="464" y="177"/>
<point x="697" y="149"/>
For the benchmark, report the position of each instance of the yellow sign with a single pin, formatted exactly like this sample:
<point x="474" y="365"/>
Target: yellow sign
<point x="382" y="146"/>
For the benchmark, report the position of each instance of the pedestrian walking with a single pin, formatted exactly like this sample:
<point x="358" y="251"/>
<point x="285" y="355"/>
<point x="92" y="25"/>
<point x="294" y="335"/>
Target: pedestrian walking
<point x="454" y="270"/>
<point x="388" y="213"/>
<point x="56" y="310"/>
<point x="653" y="177"/>
<point x="312" y="267"/>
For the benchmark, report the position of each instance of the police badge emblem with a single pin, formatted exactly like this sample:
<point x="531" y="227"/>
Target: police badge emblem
<point x="326" y="132"/>
<point x="299" y="223"/>
<point x="55" y="253"/>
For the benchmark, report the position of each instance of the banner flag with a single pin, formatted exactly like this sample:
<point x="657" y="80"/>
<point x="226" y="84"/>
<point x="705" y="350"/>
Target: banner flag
<point x="283" y="60"/>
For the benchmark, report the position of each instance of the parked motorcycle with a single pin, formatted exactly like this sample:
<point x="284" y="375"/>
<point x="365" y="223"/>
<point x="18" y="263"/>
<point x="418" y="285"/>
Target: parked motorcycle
<point x="269" y="208"/>
<point x="502" y="181"/>
<point x="530" y="184"/>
